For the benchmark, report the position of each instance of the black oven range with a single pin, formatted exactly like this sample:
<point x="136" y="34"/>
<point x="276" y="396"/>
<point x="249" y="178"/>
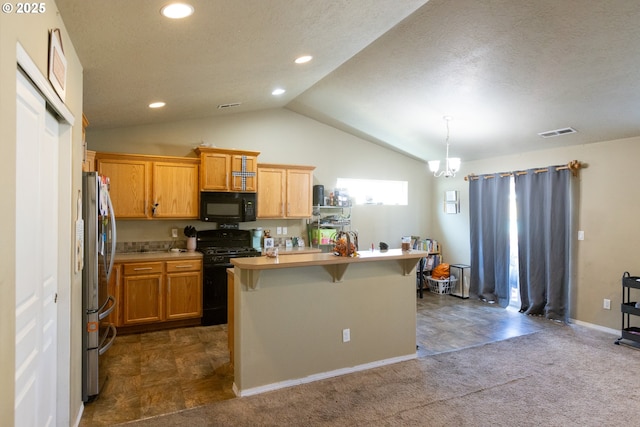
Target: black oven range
<point x="218" y="247"/>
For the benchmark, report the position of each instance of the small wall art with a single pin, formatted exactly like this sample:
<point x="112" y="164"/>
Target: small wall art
<point x="57" y="64"/>
<point x="452" y="202"/>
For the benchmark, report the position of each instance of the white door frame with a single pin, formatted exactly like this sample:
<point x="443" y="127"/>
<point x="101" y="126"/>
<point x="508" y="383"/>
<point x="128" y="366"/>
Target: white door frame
<point x="65" y="219"/>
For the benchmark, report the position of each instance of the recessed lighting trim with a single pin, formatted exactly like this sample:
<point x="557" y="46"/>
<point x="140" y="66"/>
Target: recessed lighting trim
<point x="278" y="91"/>
<point x="177" y="10"/>
<point x="158" y="104"/>
<point x="303" y="59"/>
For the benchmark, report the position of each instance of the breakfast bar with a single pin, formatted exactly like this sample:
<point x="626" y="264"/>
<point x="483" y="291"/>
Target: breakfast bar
<point x="302" y="318"/>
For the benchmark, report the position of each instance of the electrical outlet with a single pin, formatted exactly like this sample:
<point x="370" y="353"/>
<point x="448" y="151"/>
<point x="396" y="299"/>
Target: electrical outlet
<point x="607" y="304"/>
<point x="278" y="230"/>
<point x="346" y="335"/>
<point x="284" y="230"/>
<point x="174" y="232"/>
<point x="580" y="235"/>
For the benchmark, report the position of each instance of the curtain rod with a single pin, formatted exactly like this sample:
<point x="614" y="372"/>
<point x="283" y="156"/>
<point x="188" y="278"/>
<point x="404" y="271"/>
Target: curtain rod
<point x="574" y="166"/>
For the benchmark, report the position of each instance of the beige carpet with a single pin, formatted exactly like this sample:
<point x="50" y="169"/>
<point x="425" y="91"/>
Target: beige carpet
<point x="559" y="376"/>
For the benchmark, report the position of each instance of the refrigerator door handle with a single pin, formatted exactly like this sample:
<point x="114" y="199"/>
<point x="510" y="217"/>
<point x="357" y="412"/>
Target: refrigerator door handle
<point x="107" y="312"/>
<point x="105" y="346"/>
<point x="112" y="255"/>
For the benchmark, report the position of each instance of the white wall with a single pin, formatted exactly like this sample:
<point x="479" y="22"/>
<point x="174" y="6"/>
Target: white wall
<point x="32" y="31"/>
<point x="283" y="136"/>
<point x="608" y="213"/>
<point x="607" y="206"/>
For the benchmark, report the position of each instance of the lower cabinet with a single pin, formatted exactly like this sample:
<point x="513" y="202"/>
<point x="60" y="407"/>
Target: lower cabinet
<point x="184" y="289"/>
<point x="142" y="293"/>
<point x="157" y="292"/>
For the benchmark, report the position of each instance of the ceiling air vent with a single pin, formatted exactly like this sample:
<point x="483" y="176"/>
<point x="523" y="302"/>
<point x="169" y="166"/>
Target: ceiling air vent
<point x="230" y="105"/>
<point x="557" y="132"/>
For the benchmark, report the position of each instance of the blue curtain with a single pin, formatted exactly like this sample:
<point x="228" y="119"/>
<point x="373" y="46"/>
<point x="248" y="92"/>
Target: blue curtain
<point x="544" y="203"/>
<point x="489" y="229"/>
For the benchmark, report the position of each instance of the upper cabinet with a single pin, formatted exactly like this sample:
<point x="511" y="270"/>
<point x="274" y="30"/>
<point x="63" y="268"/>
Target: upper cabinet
<point x="284" y="191"/>
<point x="148" y="187"/>
<point x="224" y="169"/>
<point x="89" y="160"/>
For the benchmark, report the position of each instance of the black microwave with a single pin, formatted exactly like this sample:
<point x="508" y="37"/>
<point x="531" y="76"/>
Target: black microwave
<point x="227" y="207"/>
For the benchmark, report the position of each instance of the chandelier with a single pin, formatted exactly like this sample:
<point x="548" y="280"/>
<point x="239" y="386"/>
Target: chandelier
<point x="451" y="165"/>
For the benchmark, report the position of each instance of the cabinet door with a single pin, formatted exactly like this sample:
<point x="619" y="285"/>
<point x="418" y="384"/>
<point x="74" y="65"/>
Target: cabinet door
<point x="89" y="163"/>
<point x="142" y="294"/>
<point x="271" y="192"/>
<point x="215" y="172"/>
<point x="175" y="190"/>
<point x="246" y="173"/>
<point x="184" y="295"/>
<point x="299" y="198"/>
<point x="130" y="184"/>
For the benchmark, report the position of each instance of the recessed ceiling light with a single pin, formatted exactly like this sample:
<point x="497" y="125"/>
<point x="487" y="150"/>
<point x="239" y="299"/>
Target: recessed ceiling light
<point x="303" y="59"/>
<point x="177" y="10"/>
<point x="278" y="91"/>
<point x="158" y="104"/>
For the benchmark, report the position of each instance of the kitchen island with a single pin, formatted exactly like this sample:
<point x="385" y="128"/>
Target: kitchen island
<point x="307" y="317"/>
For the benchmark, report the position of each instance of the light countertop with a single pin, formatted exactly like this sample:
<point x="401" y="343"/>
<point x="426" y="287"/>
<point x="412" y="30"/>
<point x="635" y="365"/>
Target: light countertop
<point x="308" y="259"/>
<point x="298" y="251"/>
<point x="156" y="256"/>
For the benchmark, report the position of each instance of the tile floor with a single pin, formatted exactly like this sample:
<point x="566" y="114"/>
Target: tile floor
<point x="162" y="372"/>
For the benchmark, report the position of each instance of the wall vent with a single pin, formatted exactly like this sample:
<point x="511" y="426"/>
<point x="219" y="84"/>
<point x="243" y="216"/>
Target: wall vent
<point x="230" y="105"/>
<point x="557" y="132"/>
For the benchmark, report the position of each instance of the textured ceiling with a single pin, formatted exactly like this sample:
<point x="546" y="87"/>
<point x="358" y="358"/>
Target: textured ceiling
<point x="385" y="70"/>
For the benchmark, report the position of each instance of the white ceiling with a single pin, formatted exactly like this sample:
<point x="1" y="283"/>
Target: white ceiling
<point x="384" y="70"/>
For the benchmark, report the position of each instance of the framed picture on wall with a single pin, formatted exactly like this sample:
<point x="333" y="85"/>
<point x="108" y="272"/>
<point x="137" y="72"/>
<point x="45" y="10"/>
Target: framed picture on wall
<point x="451" y="202"/>
<point x="57" y="64"/>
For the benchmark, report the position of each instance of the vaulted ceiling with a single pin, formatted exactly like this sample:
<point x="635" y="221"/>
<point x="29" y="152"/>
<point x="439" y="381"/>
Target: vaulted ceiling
<point x="385" y="70"/>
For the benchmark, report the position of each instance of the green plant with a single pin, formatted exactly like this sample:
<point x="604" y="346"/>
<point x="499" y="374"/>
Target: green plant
<point x="190" y="231"/>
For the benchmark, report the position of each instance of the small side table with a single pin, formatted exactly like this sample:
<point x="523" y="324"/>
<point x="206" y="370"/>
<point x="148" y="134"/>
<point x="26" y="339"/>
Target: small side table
<point x="464" y="283"/>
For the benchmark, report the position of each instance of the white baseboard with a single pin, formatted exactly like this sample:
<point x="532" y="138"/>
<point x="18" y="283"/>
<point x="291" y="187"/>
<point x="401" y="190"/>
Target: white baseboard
<point x="596" y="327"/>
<point x="320" y="376"/>
<point x="79" y="416"/>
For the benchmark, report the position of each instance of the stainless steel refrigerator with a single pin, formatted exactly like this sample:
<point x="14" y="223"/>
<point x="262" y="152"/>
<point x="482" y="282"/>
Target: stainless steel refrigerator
<point x="99" y="251"/>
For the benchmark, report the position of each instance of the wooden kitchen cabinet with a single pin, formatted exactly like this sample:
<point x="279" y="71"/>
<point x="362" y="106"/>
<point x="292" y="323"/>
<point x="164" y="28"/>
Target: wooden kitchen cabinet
<point x="156" y="293"/>
<point x="175" y="190"/>
<point x="130" y="182"/>
<point x="184" y="289"/>
<point x="222" y="169"/>
<point x="284" y="191"/>
<point x="143" y="296"/>
<point x="89" y="157"/>
<point x="151" y="187"/>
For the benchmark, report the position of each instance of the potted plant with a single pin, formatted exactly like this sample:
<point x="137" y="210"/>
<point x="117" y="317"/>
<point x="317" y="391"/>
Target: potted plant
<point x="191" y="233"/>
